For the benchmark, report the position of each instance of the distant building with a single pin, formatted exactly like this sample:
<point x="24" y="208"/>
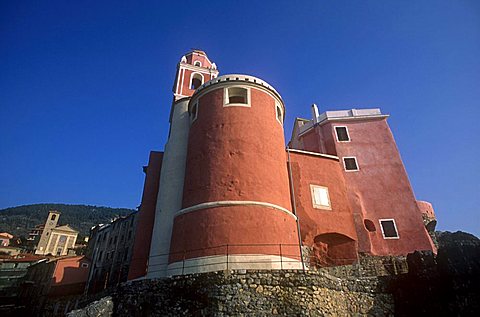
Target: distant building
<point x="5" y="238"/>
<point x="34" y="236"/>
<point x="12" y="271"/>
<point x="55" y="240"/>
<point x="110" y="249"/>
<point x="11" y="251"/>
<point x="54" y="286"/>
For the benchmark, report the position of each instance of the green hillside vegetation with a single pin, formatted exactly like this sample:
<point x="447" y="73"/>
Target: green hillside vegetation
<point x="21" y="219"/>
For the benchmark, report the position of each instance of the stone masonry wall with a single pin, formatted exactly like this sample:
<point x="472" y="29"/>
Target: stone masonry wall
<point x="249" y="293"/>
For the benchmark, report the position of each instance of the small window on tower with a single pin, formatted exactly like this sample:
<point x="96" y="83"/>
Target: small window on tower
<point x="350" y="163"/>
<point x="53" y="217"/>
<point x="196" y="81"/>
<point x="320" y="197"/>
<point x="342" y="134"/>
<point x="389" y="229"/>
<point x="237" y="96"/>
<point x="194" y="112"/>
<point x="279" y="113"/>
<point x="198" y="63"/>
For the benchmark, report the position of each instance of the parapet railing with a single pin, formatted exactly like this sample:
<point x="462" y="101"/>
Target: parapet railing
<point x="262" y="256"/>
<point x="228" y="256"/>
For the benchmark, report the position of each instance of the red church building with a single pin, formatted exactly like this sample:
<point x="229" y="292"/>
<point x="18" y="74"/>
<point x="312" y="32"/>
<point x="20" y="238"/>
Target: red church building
<point x="226" y="193"/>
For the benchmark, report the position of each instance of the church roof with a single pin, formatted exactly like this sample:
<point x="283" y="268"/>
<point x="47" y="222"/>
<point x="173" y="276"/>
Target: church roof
<point x="66" y="228"/>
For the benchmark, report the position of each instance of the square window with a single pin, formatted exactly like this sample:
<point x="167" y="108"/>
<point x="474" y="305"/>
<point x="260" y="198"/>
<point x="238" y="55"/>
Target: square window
<point x="389" y="229"/>
<point x="350" y="163"/>
<point x="320" y="197"/>
<point x="342" y="134"/>
<point x="237" y="96"/>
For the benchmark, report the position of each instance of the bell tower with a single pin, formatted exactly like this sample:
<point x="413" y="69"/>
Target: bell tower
<point x="194" y="70"/>
<point x="50" y="224"/>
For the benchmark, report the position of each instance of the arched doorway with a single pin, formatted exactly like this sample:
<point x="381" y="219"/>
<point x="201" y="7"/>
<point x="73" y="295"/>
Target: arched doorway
<point x="332" y="249"/>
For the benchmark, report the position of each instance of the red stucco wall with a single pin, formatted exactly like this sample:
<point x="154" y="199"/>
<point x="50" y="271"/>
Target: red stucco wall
<point x="380" y="189"/>
<point x="185" y="81"/>
<point x="193" y="57"/>
<point x="426" y="208"/>
<point x="146" y="217"/>
<point x="246" y="230"/>
<point x="314" y="170"/>
<point x="235" y="154"/>
<point x="69" y="271"/>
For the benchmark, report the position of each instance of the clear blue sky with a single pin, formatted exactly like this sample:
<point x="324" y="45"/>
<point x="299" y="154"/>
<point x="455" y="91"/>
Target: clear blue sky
<point x="85" y="86"/>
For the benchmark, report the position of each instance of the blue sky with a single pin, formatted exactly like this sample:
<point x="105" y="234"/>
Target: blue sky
<point x="85" y="86"/>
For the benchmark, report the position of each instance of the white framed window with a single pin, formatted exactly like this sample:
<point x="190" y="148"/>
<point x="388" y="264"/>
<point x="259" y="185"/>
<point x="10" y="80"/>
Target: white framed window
<point x="194" y="112"/>
<point x="197" y="63"/>
<point x="196" y="80"/>
<point x="342" y="134"/>
<point x="84" y="265"/>
<point x="350" y="164"/>
<point x="320" y="197"/>
<point x="236" y="96"/>
<point x="279" y="113"/>
<point x="389" y="229"/>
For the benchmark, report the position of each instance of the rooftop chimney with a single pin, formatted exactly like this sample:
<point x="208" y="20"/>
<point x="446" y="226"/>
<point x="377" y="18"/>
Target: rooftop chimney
<point x="315" y="113"/>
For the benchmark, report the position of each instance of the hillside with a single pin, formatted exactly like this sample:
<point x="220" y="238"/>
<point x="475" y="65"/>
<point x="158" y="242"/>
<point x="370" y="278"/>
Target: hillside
<point x="19" y="220"/>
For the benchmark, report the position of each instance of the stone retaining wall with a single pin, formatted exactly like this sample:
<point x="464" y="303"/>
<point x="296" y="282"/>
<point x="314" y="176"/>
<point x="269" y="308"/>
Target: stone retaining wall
<point x="251" y="293"/>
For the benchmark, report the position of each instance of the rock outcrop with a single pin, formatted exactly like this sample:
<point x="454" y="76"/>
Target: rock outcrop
<point x="445" y="285"/>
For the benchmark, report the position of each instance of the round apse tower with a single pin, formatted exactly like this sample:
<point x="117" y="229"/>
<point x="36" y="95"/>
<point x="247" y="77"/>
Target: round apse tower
<point x="236" y="210"/>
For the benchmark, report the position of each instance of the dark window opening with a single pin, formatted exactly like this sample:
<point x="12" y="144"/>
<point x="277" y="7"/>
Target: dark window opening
<point x="369" y="225"/>
<point x="194" y="112"/>
<point x="350" y="163"/>
<point x="342" y="134"/>
<point x="279" y="114"/>
<point x="389" y="230"/>
<point x="237" y="95"/>
<point x="197" y="81"/>
<point x="53" y="217"/>
<point x="197" y="63"/>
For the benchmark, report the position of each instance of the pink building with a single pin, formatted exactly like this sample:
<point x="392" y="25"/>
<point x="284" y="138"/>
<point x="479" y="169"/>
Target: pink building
<point x="5" y="238"/>
<point x="226" y="194"/>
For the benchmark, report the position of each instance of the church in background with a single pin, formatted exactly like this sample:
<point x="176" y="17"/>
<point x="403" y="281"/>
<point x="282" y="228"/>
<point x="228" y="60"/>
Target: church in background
<point x="55" y="240"/>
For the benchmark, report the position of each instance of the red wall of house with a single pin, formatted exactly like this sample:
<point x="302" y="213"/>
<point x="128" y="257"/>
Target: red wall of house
<point x="146" y="217"/>
<point x="321" y="171"/>
<point x="380" y="189"/>
<point x="70" y="271"/>
<point x="69" y="277"/>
